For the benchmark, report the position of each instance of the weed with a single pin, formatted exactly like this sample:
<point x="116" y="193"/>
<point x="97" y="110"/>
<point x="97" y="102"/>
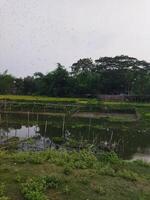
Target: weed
<point x="18" y="178"/>
<point x="129" y="175"/>
<point x="109" y="157"/>
<point x="107" y="170"/>
<point x="98" y="189"/>
<point x="34" y="189"/>
<point x="66" y="190"/>
<point x="142" y="163"/>
<point x="67" y="170"/>
<point x="2" y="192"/>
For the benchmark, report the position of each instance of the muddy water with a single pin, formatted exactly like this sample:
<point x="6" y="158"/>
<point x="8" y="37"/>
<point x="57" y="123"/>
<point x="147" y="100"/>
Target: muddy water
<point x="127" y="138"/>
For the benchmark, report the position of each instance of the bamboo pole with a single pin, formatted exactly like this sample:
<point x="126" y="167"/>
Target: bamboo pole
<point x="45" y="132"/>
<point x="63" y="126"/>
<point x="28" y="124"/>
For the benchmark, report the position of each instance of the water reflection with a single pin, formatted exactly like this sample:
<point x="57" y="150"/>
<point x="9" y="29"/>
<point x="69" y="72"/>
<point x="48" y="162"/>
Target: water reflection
<point x="126" y="139"/>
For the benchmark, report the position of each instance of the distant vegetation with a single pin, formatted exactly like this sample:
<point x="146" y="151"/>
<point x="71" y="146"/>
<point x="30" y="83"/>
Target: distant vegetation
<point x="106" y="75"/>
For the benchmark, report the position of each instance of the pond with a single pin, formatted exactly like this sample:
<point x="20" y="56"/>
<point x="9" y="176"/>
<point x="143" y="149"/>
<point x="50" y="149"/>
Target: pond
<point x="37" y="132"/>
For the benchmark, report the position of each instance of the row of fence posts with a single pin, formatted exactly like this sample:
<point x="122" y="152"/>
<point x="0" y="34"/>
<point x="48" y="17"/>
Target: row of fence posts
<point x="37" y="120"/>
<point x="46" y="125"/>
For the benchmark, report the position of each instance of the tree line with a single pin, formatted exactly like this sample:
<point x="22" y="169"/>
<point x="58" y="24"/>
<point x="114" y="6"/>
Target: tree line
<point x="106" y="75"/>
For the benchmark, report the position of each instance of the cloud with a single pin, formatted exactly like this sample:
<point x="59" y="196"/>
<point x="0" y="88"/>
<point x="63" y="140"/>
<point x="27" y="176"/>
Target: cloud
<point x="36" y="34"/>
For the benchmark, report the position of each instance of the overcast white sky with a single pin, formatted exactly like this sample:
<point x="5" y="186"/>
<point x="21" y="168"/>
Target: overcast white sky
<point x="36" y="34"/>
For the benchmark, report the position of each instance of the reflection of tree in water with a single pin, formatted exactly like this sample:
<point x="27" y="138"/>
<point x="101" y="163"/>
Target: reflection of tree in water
<point x="128" y="141"/>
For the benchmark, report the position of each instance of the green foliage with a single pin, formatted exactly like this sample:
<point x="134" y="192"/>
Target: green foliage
<point x="58" y="140"/>
<point x="116" y="75"/>
<point x="128" y="174"/>
<point x="67" y="170"/>
<point x="23" y="157"/>
<point x="2" y="192"/>
<point x="3" y="154"/>
<point x="2" y="189"/>
<point x="4" y="198"/>
<point x="142" y="163"/>
<point x="66" y="190"/>
<point x="18" y="178"/>
<point x="84" y="159"/>
<point x="106" y="170"/>
<point x="98" y="189"/>
<point x="109" y="157"/>
<point x="70" y="175"/>
<point x="34" y="189"/>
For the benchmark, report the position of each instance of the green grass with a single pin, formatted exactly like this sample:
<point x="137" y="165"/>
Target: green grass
<point x="41" y="98"/>
<point x="69" y="100"/>
<point x="61" y="175"/>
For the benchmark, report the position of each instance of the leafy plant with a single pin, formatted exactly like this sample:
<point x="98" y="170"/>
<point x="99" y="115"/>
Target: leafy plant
<point x="35" y="188"/>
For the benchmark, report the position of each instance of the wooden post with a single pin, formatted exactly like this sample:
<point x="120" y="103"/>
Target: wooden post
<point x="7" y="125"/>
<point x="37" y="120"/>
<point x="15" y="132"/>
<point x="28" y="123"/>
<point x="45" y="132"/>
<point x="5" y="105"/>
<point x="63" y="126"/>
<point x="90" y="120"/>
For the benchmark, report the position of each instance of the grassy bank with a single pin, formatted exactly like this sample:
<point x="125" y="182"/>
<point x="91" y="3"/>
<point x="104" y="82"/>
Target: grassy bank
<point x="74" y="176"/>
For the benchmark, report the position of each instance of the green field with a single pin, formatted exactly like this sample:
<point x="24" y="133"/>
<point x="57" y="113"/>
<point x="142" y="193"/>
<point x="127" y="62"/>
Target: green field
<point x="41" y="99"/>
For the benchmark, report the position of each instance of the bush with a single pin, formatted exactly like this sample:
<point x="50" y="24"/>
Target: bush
<point x="110" y="157"/>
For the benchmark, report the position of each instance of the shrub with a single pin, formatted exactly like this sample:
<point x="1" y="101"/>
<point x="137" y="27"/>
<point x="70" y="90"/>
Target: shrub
<point x="110" y="157"/>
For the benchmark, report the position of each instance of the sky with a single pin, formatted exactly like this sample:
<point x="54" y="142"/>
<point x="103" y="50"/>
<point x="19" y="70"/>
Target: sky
<point x="37" y="34"/>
